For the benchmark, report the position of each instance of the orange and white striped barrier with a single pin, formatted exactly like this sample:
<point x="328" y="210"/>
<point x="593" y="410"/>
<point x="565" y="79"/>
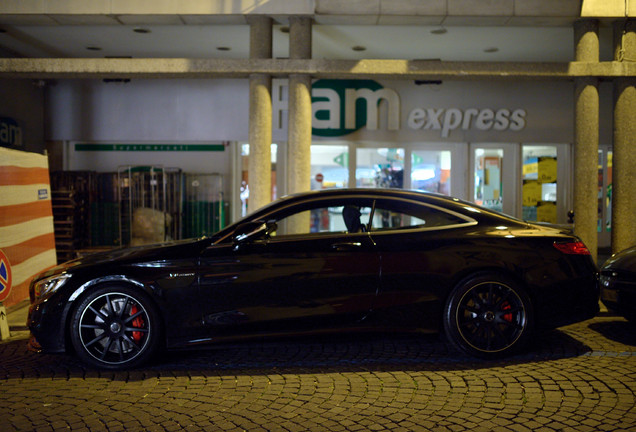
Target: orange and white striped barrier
<point x="27" y="236"/>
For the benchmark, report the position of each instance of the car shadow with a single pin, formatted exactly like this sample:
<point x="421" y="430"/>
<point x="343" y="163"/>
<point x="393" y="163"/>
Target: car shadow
<point x="316" y="354"/>
<point x="618" y="330"/>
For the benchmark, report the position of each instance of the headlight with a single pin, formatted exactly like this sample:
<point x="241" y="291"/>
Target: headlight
<point x="608" y="279"/>
<point x="50" y="284"/>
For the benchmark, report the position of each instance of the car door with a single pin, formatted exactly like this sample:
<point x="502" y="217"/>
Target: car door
<point x="414" y="241"/>
<point x="290" y="282"/>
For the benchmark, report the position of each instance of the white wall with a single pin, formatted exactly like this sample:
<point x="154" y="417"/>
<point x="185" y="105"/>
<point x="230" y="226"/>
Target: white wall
<point x="148" y="111"/>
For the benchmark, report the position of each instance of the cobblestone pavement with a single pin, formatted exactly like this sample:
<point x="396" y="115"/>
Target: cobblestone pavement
<point x="578" y="378"/>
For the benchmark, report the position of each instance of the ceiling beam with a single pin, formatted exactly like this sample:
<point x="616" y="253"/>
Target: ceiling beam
<point x="94" y="68"/>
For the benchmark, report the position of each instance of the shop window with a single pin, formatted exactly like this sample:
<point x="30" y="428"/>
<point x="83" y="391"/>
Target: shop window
<point x="539" y="183"/>
<point x="329" y="166"/>
<point x="431" y="171"/>
<point x="380" y="167"/>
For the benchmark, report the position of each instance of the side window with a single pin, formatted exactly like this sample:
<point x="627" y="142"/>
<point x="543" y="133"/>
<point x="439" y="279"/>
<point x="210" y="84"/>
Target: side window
<point x="338" y="219"/>
<point x="404" y="214"/>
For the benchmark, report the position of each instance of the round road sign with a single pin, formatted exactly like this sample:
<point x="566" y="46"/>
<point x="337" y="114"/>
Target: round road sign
<point x="5" y="276"/>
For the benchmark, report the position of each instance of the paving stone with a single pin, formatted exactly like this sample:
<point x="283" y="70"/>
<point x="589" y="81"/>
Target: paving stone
<point x="580" y="377"/>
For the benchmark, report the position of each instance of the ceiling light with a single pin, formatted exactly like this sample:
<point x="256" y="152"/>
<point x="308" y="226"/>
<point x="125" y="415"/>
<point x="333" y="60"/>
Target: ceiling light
<point x="223" y="48"/>
<point x="359" y="48"/>
<point x="141" y="30"/>
<point x="439" y="31"/>
<point x="93" y="48"/>
<point x="491" y="50"/>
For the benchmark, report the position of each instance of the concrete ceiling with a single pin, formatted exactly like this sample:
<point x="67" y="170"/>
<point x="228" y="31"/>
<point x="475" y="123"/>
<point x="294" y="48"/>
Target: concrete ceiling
<point x="448" y="30"/>
<point x="457" y="43"/>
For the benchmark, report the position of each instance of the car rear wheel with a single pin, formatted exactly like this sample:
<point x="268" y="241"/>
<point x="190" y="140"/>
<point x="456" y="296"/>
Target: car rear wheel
<point x="488" y="316"/>
<point x="115" y="327"/>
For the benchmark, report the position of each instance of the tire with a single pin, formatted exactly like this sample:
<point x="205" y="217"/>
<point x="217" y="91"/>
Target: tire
<point x="115" y="327"/>
<point x="488" y="316"/>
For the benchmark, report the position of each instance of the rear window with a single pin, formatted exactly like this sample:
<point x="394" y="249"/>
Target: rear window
<point x="405" y="215"/>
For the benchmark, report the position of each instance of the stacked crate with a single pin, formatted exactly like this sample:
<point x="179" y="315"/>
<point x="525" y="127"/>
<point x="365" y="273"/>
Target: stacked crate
<point x="70" y="199"/>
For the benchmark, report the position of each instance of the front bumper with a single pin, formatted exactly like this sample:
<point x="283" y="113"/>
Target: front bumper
<point x="619" y="295"/>
<point x="47" y="325"/>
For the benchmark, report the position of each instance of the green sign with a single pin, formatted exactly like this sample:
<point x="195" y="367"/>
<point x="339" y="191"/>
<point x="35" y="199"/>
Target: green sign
<point x="342" y="159"/>
<point x="151" y="147"/>
<point x="341" y="106"/>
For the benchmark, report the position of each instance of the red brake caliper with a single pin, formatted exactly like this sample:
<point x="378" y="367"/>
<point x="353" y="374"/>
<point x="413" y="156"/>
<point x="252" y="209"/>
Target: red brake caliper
<point x="137" y="323"/>
<point x="506" y="306"/>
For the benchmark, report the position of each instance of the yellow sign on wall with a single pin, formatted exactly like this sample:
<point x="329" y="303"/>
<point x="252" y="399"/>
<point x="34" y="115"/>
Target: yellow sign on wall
<point x="547" y="170"/>
<point x="546" y="212"/>
<point x="531" y="193"/>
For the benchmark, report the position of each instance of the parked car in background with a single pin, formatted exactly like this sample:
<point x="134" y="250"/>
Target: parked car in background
<point x="618" y="283"/>
<point x="338" y="260"/>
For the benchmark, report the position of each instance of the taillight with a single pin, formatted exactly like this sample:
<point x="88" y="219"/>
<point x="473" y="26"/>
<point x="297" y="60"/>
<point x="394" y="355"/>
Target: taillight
<point x="572" y="248"/>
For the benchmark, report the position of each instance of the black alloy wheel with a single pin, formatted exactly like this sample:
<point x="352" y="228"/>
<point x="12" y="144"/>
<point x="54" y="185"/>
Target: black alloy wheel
<point x="115" y="328"/>
<point x="488" y="316"/>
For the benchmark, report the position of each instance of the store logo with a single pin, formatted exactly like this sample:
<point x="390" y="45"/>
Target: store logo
<point x="10" y="133"/>
<point x="340" y="107"/>
<point x="447" y="120"/>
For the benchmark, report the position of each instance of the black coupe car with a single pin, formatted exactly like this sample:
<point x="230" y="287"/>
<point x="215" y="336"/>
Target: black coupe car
<point x="618" y="283"/>
<point x="335" y="260"/>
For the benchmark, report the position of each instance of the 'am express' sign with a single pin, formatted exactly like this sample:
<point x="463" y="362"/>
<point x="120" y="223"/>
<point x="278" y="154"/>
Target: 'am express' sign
<point x="10" y="133"/>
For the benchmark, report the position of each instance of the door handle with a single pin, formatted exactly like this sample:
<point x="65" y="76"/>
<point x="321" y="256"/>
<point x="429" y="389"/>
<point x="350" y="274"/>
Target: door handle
<point x="346" y="246"/>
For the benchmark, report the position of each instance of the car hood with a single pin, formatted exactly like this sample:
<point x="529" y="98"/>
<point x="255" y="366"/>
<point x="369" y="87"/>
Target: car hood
<point x="624" y="260"/>
<point x="132" y="255"/>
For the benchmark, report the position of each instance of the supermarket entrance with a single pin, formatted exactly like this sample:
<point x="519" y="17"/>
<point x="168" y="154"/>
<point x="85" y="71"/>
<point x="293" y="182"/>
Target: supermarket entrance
<point x="529" y="181"/>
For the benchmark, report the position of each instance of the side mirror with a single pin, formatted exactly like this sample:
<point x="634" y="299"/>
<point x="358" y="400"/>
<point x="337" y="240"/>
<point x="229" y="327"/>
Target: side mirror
<point x="253" y="230"/>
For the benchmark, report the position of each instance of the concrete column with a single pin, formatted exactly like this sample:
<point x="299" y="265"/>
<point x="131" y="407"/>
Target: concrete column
<point x="299" y="146"/>
<point x="624" y="157"/>
<point x="299" y="140"/>
<point x="299" y="133"/>
<point x="260" y="121"/>
<point x="586" y="137"/>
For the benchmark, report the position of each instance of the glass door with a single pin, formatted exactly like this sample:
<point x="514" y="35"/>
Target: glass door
<point x="421" y="166"/>
<point x="546" y="188"/>
<point x="494" y="181"/>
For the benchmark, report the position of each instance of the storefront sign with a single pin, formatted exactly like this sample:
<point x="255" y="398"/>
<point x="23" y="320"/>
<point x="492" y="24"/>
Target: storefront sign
<point x="10" y="133"/>
<point x="150" y="147"/>
<point x="447" y="120"/>
<point x="341" y="107"/>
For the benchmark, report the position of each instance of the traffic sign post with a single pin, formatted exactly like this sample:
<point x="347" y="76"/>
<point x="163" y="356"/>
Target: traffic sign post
<point x="4" y="324"/>
<point x="5" y="289"/>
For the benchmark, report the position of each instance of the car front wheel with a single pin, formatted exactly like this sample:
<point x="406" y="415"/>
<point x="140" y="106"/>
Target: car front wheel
<point x="488" y="316"/>
<point x="115" y="327"/>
